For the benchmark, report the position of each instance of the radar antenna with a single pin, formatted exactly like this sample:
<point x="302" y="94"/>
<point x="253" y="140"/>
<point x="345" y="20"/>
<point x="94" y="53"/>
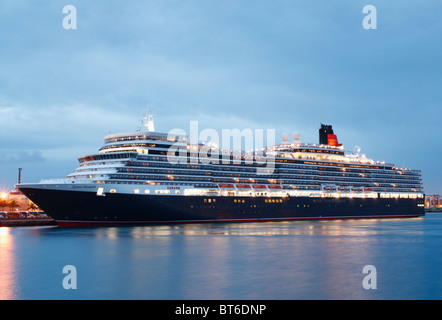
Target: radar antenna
<point x="148" y="120"/>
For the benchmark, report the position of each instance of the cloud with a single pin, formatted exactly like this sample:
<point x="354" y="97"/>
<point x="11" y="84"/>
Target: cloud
<point x="20" y="157"/>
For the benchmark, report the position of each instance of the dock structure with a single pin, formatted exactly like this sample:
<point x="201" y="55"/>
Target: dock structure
<point x="433" y="203"/>
<point x="27" y="222"/>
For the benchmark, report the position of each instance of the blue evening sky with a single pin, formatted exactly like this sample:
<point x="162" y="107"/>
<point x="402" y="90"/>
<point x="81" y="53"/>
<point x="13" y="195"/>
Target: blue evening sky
<point x="284" y="65"/>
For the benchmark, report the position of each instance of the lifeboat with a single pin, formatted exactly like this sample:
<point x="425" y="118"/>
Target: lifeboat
<point x="259" y="186"/>
<point x="273" y="187"/>
<point x="227" y="186"/>
<point x="329" y="188"/>
<point x="243" y="187"/>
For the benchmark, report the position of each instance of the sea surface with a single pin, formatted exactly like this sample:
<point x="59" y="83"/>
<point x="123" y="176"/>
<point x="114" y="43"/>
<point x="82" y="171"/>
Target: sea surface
<point x="236" y="261"/>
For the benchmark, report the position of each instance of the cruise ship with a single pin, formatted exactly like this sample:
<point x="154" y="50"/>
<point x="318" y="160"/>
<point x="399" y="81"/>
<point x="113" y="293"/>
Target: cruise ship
<point x="146" y="177"/>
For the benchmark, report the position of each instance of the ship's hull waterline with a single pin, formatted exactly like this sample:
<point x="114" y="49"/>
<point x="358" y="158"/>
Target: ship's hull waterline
<point x="82" y="208"/>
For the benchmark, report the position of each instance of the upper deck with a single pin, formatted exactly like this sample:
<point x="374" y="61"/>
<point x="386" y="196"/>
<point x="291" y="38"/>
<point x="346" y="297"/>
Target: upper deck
<point x="143" y="136"/>
<point x="146" y="157"/>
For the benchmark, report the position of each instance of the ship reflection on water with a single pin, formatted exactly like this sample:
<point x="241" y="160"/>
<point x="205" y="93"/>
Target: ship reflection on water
<point x="271" y="260"/>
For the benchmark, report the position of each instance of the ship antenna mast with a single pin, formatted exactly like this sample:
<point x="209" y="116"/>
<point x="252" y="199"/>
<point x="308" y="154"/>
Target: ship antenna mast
<point x="148" y="120"/>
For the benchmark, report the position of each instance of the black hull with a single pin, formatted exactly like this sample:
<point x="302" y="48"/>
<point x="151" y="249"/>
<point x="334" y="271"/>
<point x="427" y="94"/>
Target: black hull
<point x="75" y="208"/>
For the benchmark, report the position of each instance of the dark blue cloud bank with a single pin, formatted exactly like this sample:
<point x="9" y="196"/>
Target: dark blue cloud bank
<point x="287" y="65"/>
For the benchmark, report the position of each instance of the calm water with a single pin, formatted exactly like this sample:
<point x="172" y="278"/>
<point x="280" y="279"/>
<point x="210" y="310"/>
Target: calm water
<point x="276" y="260"/>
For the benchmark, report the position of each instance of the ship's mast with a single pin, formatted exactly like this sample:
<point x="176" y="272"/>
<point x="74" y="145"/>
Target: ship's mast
<point x="148" y="120"/>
